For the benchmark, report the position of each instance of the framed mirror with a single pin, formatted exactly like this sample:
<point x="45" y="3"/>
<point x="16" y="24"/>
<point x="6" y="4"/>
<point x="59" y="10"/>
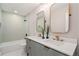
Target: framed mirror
<point x="40" y="22"/>
<point x="59" y="17"/>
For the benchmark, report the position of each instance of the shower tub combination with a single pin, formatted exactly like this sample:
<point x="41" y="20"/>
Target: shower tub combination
<point x="13" y="48"/>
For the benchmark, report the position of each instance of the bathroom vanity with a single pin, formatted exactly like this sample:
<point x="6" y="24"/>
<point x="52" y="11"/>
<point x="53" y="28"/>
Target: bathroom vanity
<point x="36" y="46"/>
<point x="59" y="24"/>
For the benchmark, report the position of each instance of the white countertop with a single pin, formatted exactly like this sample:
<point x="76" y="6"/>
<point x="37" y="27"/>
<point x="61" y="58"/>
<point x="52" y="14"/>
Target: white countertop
<point x="67" y="47"/>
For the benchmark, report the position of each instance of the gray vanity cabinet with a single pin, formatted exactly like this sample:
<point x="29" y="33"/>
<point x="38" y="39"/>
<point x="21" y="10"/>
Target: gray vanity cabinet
<point x="37" y="49"/>
<point x="28" y="47"/>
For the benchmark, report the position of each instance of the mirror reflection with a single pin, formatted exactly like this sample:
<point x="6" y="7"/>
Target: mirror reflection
<point x="60" y="17"/>
<point x="40" y="24"/>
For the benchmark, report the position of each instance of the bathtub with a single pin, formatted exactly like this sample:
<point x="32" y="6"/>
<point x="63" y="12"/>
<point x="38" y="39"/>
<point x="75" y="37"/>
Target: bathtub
<point x="13" y="46"/>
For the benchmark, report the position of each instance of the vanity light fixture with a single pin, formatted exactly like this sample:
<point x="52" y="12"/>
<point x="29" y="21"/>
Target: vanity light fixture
<point x="69" y="9"/>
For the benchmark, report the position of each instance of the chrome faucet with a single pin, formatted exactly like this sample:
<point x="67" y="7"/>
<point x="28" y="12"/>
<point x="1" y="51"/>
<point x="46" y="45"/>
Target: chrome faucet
<point x="57" y="36"/>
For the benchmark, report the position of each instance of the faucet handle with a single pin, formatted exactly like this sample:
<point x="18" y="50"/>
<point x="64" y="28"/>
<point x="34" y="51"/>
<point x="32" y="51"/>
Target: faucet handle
<point x="57" y="36"/>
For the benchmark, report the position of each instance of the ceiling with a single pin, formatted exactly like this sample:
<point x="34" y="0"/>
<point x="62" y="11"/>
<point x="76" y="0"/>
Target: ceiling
<point x="19" y="8"/>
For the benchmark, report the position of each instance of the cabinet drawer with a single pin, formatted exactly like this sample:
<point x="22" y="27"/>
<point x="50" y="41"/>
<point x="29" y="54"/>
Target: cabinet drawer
<point x="37" y="49"/>
<point x="52" y="52"/>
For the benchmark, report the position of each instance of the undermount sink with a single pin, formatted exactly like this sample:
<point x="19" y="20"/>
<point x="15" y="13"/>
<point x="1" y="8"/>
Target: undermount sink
<point x="54" y="42"/>
<point x="60" y="43"/>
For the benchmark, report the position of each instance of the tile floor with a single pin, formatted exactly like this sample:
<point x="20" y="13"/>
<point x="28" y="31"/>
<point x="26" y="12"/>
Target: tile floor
<point x="15" y="48"/>
<point x="19" y="51"/>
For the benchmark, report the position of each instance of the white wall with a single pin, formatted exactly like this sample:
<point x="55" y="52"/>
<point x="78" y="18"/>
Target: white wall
<point x="73" y="26"/>
<point x="27" y="25"/>
<point x="74" y="19"/>
<point x="13" y="27"/>
<point x="0" y="27"/>
<point x="32" y="17"/>
<point x="0" y="15"/>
